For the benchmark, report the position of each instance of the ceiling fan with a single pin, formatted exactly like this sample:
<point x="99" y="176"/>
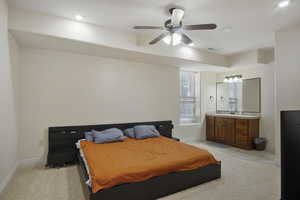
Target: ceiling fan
<point x="174" y="34"/>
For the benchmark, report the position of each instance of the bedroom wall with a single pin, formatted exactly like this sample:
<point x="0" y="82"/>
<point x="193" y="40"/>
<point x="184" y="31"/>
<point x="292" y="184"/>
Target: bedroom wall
<point x="8" y="110"/>
<point x="267" y="75"/>
<point x="60" y="88"/>
<point x="208" y="89"/>
<point x="287" y="70"/>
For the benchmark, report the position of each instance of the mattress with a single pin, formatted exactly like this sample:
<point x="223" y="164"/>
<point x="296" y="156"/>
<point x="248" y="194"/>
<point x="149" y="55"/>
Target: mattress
<point x="133" y="160"/>
<point x="88" y="182"/>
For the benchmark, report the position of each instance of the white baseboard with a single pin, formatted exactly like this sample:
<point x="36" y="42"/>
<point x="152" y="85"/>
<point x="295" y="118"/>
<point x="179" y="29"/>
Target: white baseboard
<point x="8" y="177"/>
<point x="21" y="163"/>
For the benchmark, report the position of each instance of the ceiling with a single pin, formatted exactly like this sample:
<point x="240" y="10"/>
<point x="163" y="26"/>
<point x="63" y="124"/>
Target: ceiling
<point x="32" y="40"/>
<point x="253" y="22"/>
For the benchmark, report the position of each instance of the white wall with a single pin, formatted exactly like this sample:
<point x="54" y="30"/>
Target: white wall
<point x="208" y="89"/>
<point x="14" y="51"/>
<point x="243" y="59"/>
<point x="8" y="119"/>
<point x="188" y="132"/>
<point x="266" y="73"/>
<point x="60" y="88"/>
<point x="287" y="72"/>
<point x="252" y="57"/>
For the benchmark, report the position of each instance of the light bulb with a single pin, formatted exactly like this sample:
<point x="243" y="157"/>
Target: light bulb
<point x="175" y="39"/>
<point x="167" y="39"/>
<point x="78" y="17"/>
<point x="284" y="4"/>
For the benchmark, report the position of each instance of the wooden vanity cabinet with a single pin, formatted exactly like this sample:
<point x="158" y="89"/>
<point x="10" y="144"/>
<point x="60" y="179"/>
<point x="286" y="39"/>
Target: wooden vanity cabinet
<point x="232" y="131"/>
<point x="229" y="125"/>
<point x="210" y="128"/>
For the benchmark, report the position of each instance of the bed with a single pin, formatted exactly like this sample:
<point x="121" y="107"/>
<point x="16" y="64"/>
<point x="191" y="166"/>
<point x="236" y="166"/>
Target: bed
<point x="144" y="187"/>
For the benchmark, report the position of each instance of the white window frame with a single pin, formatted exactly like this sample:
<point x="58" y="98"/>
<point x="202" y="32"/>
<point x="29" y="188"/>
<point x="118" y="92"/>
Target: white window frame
<point x="192" y="99"/>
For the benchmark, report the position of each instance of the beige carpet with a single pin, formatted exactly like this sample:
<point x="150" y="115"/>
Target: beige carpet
<point x="245" y="176"/>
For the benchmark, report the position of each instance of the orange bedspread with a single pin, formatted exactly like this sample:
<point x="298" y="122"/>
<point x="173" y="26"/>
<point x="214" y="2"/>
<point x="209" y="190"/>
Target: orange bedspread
<point x="137" y="160"/>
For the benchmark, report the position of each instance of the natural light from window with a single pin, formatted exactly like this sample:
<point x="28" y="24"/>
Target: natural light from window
<point x="189" y="97"/>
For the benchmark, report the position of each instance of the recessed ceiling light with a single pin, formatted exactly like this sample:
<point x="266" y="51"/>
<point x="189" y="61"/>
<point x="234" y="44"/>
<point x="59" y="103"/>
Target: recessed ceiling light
<point x="191" y="44"/>
<point x="78" y="17"/>
<point x="284" y="3"/>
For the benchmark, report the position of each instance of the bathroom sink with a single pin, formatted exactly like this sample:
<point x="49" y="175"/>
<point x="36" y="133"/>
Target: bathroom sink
<point x="247" y="116"/>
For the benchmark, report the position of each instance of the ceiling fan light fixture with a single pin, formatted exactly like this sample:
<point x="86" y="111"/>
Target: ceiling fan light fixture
<point x="174" y="30"/>
<point x="78" y="17"/>
<point x="174" y="39"/>
<point x="167" y="39"/>
<point x="177" y="15"/>
<point x="284" y="3"/>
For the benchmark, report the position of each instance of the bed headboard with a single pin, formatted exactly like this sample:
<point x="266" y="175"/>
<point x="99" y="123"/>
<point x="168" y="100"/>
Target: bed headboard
<point x="62" y="149"/>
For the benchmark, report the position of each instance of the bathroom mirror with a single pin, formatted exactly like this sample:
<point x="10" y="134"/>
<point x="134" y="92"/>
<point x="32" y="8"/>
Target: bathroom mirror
<point x="239" y="96"/>
<point x="222" y="97"/>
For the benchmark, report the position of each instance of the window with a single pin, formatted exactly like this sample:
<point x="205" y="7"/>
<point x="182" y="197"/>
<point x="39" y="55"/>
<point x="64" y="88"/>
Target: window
<point x="189" y="97"/>
<point x="233" y="98"/>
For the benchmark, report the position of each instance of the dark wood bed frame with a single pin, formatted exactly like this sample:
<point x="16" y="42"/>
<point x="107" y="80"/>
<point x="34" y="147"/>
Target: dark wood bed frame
<point x="62" y="151"/>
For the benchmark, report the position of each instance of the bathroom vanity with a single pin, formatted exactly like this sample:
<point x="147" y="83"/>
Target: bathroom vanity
<point x="239" y="130"/>
<point x="232" y="129"/>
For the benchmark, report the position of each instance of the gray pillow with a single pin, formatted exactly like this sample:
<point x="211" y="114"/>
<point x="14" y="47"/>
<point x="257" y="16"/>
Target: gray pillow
<point x="145" y="131"/>
<point x="108" y="135"/>
<point x="106" y="131"/>
<point x="124" y="137"/>
<point x="89" y="136"/>
<point x="129" y="132"/>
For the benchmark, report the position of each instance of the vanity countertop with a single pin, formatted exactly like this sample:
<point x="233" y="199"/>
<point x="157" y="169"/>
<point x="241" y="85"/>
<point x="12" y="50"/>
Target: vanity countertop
<point x="238" y="116"/>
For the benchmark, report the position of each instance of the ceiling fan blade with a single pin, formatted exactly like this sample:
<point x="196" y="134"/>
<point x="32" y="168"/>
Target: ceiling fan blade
<point x="200" y="27"/>
<point x="186" y="39"/>
<point x="177" y="15"/>
<point x="159" y="38"/>
<point x="149" y="27"/>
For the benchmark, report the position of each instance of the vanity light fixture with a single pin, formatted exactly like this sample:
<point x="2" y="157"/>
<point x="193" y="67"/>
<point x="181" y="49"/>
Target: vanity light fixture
<point x="233" y="79"/>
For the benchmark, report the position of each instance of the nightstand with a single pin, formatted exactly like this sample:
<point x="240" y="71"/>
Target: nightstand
<point x="62" y="149"/>
<point x="59" y="159"/>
